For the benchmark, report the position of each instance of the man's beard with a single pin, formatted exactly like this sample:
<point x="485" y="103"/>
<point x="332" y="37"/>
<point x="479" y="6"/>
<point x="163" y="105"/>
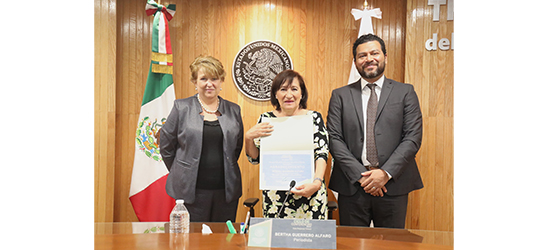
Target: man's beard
<point x="377" y="72"/>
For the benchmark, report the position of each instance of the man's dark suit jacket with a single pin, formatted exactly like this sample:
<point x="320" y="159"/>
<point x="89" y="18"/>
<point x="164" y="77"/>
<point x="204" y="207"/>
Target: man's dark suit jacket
<point x="398" y="135"/>
<point x="181" y="146"/>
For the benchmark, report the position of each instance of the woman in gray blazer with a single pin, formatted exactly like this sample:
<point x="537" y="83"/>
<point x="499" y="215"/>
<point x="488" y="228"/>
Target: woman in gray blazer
<point x="200" y="144"/>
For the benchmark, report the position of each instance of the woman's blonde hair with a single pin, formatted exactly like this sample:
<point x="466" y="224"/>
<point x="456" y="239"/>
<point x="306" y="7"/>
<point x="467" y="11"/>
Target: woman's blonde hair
<point x="211" y="67"/>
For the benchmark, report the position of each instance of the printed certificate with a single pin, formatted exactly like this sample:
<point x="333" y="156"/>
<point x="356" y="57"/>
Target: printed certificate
<point x="287" y="154"/>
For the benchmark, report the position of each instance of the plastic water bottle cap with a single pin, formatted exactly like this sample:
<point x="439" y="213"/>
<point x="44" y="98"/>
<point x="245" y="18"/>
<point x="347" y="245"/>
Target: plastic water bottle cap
<point x="179" y="201"/>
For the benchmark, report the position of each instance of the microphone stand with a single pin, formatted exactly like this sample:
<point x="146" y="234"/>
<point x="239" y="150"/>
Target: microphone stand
<point x="292" y="184"/>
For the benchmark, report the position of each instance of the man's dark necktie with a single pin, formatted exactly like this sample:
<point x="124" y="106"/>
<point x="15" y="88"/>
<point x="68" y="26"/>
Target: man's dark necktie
<point x="371" y="148"/>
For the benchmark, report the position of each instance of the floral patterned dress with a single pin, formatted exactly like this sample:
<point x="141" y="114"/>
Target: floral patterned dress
<point x="299" y="207"/>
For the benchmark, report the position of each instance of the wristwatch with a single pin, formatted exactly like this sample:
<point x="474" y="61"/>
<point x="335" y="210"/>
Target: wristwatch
<point x="321" y="180"/>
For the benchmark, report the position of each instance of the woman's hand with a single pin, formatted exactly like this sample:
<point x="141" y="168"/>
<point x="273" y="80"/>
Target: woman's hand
<point x="259" y="130"/>
<point x="308" y="189"/>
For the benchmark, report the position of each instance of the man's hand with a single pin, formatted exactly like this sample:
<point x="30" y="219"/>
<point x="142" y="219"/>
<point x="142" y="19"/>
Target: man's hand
<point x="373" y="182"/>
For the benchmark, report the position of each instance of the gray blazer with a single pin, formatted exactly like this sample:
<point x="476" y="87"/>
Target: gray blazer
<point x="398" y="135"/>
<point x="181" y="146"/>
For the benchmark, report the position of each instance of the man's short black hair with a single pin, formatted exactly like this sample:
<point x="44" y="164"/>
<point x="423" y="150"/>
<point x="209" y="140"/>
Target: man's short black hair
<point x="368" y="38"/>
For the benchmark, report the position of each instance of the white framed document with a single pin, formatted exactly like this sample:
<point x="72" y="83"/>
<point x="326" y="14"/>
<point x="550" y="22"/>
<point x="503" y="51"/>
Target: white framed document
<point x="288" y="153"/>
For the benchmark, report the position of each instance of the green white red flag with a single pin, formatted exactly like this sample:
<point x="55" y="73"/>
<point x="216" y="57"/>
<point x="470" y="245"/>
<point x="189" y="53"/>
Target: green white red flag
<point x="149" y="174"/>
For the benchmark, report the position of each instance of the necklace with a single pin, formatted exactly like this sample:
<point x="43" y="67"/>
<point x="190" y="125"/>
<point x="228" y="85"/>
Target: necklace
<point x="203" y="107"/>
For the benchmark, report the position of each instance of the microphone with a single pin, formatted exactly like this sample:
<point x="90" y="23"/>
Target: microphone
<point x="292" y="184"/>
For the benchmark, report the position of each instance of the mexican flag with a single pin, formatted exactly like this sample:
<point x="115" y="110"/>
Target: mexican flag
<point x="149" y="174"/>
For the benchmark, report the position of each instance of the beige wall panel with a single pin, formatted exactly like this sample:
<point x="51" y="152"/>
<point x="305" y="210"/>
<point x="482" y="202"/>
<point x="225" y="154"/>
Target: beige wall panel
<point x="431" y="72"/>
<point x="104" y="108"/>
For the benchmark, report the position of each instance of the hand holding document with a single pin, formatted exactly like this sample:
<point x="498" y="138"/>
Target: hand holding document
<point x="287" y="154"/>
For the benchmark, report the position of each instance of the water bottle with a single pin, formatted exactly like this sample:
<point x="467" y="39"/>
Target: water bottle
<point x="179" y="219"/>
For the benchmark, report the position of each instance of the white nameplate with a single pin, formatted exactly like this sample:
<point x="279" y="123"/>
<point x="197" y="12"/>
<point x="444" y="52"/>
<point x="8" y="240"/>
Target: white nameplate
<point x="292" y="233"/>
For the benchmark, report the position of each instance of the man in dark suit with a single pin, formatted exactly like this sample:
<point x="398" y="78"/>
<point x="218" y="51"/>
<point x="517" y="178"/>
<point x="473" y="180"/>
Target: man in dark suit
<point x="373" y="180"/>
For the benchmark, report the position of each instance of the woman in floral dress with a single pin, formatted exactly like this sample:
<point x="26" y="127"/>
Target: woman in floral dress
<point x="308" y="201"/>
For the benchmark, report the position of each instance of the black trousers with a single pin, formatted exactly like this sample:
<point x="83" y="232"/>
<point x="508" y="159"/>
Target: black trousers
<point x="362" y="208"/>
<point x="211" y="206"/>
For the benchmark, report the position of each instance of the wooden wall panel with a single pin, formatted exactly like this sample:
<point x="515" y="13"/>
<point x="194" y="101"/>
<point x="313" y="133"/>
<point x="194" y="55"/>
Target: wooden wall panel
<point x="431" y="72"/>
<point x="317" y="34"/>
<point x="105" y="109"/>
<point x="133" y="63"/>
